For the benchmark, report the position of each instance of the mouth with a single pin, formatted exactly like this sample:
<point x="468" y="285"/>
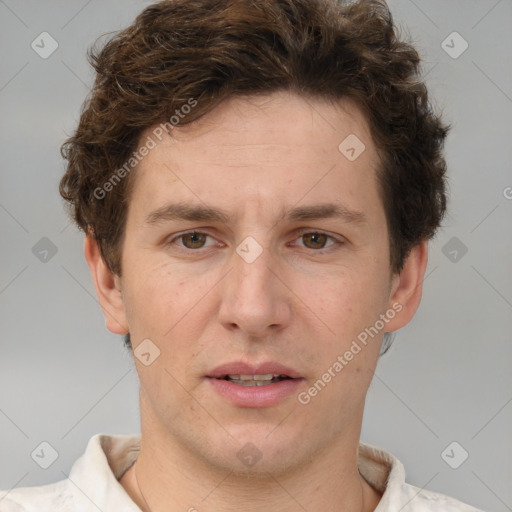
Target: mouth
<point x="254" y="380"/>
<point x="246" y="385"/>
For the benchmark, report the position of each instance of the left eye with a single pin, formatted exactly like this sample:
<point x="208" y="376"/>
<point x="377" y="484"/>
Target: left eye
<point x="194" y="240"/>
<point x="316" y="240"/>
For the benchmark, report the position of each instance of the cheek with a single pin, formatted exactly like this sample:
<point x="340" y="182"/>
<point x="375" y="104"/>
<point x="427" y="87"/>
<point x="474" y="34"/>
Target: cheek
<point x="347" y="307"/>
<point x="347" y="354"/>
<point x="171" y="309"/>
<point x="350" y="299"/>
<point x="154" y="296"/>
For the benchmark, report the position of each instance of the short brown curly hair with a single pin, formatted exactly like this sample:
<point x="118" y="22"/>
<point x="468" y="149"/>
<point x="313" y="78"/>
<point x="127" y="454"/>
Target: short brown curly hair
<point x="209" y="50"/>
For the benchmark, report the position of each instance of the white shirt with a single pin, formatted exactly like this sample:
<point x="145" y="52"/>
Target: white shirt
<point x="93" y="483"/>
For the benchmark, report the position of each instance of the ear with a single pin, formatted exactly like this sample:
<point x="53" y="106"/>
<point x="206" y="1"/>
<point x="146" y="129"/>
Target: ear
<point x="108" y="288"/>
<point x="407" y="287"/>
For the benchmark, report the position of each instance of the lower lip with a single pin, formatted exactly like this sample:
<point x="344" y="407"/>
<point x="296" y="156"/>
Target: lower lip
<point x="255" y="396"/>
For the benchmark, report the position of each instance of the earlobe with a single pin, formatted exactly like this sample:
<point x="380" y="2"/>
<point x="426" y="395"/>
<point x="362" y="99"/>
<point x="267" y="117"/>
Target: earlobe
<point x="108" y="288"/>
<point x="407" y="287"/>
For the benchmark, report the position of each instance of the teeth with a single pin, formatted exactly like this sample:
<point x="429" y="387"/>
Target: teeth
<point x="250" y="383"/>
<point x="254" y="380"/>
<point x="268" y="376"/>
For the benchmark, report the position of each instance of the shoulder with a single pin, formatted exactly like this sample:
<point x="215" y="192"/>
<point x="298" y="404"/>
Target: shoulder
<point x="55" y="497"/>
<point x="7" y="505"/>
<point x="385" y="473"/>
<point x="421" y="500"/>
<point x="92" y="484"/>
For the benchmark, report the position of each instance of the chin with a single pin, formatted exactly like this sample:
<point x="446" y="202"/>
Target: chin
<point x="258" y="454"/>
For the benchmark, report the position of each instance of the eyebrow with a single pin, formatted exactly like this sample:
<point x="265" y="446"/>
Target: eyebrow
<point x="325" y="211"/>
<point x="183" y="211"/>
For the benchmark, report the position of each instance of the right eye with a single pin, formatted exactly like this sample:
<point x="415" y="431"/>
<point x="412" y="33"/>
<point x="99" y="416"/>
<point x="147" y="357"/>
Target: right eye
<point x="192" y="240"/>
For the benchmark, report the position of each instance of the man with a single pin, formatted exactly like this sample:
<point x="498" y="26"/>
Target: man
<point x="257" y="182"/>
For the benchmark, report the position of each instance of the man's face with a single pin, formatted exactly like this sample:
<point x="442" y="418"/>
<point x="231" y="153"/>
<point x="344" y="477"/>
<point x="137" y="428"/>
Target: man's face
<point x="277" y="284"/>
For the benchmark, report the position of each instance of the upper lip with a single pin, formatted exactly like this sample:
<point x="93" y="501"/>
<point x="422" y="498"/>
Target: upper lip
<point x="242" y="368"/>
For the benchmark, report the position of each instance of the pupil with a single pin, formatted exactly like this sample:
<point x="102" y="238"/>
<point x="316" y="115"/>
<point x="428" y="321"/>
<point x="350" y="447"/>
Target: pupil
<point x="194" y="240"/>
<point x="316" y="239"/>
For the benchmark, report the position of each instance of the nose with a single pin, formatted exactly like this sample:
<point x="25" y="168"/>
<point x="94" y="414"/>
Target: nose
<point x="254" y="299"/>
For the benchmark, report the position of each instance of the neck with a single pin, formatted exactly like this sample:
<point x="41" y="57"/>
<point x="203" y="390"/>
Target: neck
<point x="168" y="478"/>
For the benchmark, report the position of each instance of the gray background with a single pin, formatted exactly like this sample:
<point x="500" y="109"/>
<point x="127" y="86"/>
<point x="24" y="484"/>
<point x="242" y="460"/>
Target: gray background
<point x="64" y="377"/>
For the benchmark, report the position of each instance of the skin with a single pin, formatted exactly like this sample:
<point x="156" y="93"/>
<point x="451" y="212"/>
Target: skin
<point x="301" y="302"/>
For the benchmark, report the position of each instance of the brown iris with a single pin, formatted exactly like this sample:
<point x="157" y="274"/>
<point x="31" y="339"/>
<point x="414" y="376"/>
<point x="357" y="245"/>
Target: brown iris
<point x="316" y="240"/>
<point x="194" y="240"/>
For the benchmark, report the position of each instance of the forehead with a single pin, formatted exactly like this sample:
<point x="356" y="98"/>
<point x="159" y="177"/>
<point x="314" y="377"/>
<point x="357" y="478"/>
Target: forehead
<point x="261" y="149"/>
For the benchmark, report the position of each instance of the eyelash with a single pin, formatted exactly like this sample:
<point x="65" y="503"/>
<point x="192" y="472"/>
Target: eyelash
<point x="336" y="241"/>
